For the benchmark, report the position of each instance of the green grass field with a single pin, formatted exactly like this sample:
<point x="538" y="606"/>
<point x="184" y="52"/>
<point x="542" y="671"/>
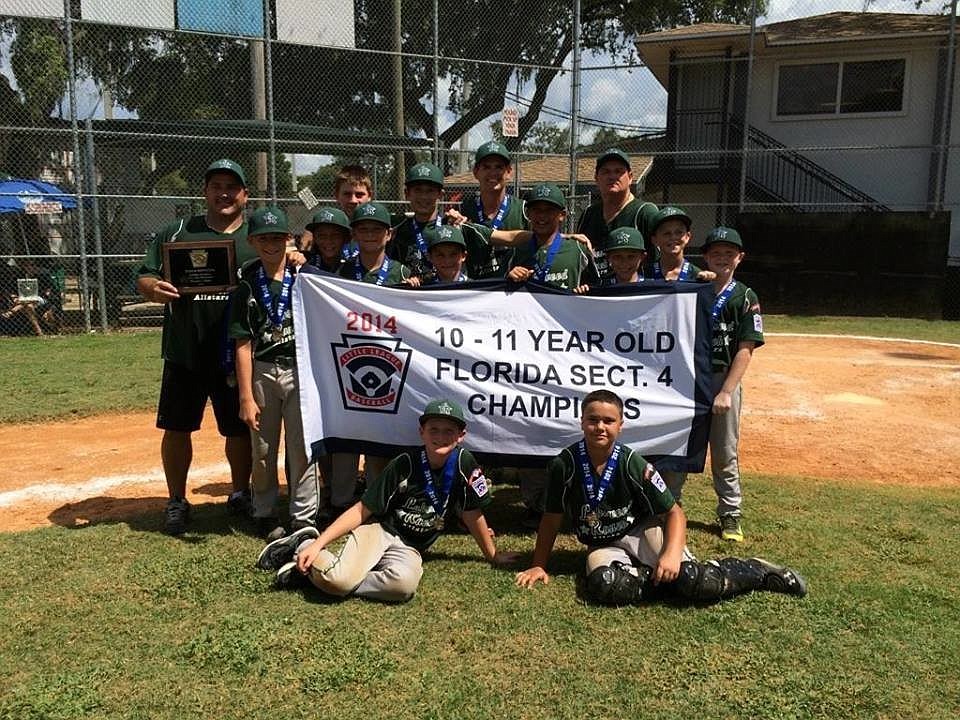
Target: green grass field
<point x="117" y="620"/>
<point x="120" y="621"/>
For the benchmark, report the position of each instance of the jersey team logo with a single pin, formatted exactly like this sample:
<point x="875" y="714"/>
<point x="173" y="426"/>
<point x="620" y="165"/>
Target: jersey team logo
<point x="371" y="372"/>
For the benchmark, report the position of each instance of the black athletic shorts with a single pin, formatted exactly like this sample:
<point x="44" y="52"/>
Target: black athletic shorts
<point x="183" y="397"/>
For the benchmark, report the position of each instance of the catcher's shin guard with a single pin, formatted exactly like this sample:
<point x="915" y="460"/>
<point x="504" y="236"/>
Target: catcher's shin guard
<point x="616" y="585"/>
<point x="720" y="579"/>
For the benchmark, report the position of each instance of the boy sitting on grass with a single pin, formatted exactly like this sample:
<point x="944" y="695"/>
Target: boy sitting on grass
<point x="636" y="534"/>
<point x="419" y="493"/>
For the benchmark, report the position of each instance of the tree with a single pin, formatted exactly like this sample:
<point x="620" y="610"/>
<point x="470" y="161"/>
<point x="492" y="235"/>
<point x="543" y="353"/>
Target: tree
<point x="174" y="77"/>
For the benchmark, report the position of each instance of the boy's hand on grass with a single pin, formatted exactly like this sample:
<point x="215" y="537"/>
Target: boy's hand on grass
<point x="722" y="403"/>
<point x="530" y="577"/>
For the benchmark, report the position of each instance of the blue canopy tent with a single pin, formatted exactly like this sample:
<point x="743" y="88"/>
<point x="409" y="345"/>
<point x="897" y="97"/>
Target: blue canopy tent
<point x="22" y="197"/>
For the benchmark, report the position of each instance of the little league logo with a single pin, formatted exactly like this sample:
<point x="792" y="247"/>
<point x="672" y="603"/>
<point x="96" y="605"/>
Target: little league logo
<point x="371" y="372"/>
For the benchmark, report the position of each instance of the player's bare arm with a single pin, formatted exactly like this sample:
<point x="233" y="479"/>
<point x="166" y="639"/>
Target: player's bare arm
<point x="477" y="525"/>
<point x="352" y="518"/>
<point x="675" y="538"/>
<point x="546" y="536"/>
<point x="741" y="361"/>
<point x="249" y="410"/>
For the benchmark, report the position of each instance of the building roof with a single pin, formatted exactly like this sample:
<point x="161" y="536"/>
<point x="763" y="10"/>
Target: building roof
<point x="834" y="27"/>
<point x="555" y="169"/>
<point x="830" y="27"/>
<point x="842" y="26"/>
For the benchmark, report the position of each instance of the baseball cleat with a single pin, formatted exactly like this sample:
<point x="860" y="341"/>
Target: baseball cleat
<point x="280" y="552"/>
<point x="177" y="514"/>
<point x="780" y="579"/>
<point x="730" y="528"/>
<point x="239" y="503"/>
<point x="288" y="576"/>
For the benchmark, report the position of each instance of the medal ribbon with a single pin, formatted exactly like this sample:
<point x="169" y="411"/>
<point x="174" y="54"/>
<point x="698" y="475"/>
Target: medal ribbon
<point x="350" y="249"/>
<point x="358" y="270"/>
<point x="722" y="299"/>
<point x="418" y="236"/>
<point x="275" y="311"/>
<point x="497" y="220"/>
<point x="439" y="500"/>
<point x="540" y="271"/>
<point x="596" y="492"/>
<point x="684" y="271"/>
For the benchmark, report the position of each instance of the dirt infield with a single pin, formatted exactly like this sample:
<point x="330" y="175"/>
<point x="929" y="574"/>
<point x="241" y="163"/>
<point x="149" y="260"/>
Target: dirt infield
<point x="814" y="407"/>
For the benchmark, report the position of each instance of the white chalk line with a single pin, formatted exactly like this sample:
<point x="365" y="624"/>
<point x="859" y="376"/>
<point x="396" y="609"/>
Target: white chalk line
<point x="62" y="492"/>
<point x="864" y="337"/>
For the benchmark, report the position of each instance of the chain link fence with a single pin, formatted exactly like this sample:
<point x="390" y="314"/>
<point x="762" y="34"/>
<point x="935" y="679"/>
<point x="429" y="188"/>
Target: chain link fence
<point x="821" y="131"/>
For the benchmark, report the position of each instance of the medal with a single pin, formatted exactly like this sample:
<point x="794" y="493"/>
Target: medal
<point x="278" y="310"/>
<point x="596" y="491"/>
<point x="439" y="499"/>
<point x="540" y="271"/>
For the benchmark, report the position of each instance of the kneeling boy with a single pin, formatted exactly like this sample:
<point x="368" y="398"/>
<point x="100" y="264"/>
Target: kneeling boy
<point x="636" y="534"/>
<point x="420" y="492"/>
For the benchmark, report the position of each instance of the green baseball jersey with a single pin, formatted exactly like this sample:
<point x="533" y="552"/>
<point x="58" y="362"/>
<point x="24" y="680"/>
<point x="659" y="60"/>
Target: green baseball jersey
<point x="636" y="493"/>
<point x="398" y="499"/>
<point x="397" y="272"/>
<point x="491" y="261"/>
<point x="636" y="214"/>
<point x="739" y="319"/>
<point x="194" y="326"/>
<point x="249" y="318"/>
<point x="573" y="264"/>
<point x="404" y="247"/>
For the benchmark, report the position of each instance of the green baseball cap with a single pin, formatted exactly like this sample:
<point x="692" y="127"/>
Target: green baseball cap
<point x="497" y="149"/>
<point x="448" y="234"/>
<point x="442" y="408"/>
<point x="267" y="221"/>
<point x="670" y="212"/>
<point x="625" y="238"/>
<point x="723" y="234"/>
<point x="425" y="173"/>
<point x="548" y="193"/>
<point x="371" y="211"/>
<point x="329" y="216"/>
<point x="225" y="165"/>
<point x="613" y="154"/>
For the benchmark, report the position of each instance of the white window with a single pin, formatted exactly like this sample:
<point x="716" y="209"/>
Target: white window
<point x="842" y="87"/>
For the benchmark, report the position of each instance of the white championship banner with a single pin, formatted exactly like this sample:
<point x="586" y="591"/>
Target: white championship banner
<point x="369" y="359"/>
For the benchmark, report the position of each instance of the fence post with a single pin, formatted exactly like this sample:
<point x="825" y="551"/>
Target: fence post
<point x="91" y="173"/>
<point x="271" y="129"/>
<point x="574" y="104"/>
<point x="746" y="106"/>
<point x="77" y="167"/>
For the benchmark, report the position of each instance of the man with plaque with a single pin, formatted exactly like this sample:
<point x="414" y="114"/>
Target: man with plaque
<point x="635" y="532"/>
<point x="189" y="266"/>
